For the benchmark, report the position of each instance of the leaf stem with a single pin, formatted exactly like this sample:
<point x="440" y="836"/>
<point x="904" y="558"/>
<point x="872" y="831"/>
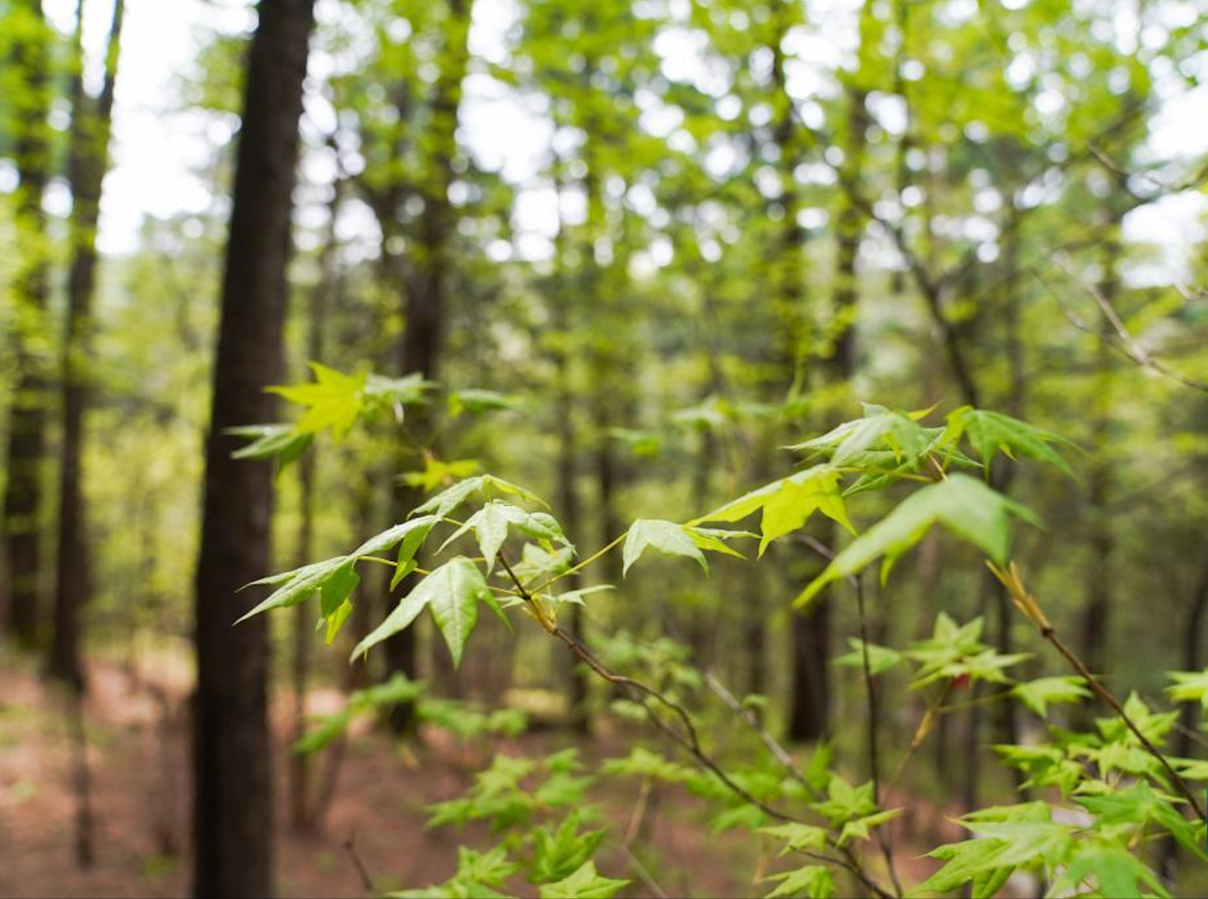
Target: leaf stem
<point x="581" y="565"/>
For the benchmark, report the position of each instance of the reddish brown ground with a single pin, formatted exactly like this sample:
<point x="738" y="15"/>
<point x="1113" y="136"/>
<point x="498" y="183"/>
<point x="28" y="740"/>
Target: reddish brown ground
<point x="140" y="795"/>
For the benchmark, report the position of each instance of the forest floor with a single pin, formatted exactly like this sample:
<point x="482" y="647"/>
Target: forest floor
<point x="139" y="770"/>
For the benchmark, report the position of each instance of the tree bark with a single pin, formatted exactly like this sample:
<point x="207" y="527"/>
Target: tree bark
<point x="27" y="418"/>
<point x="232" y="811"/>
<point x="88" y="159"/>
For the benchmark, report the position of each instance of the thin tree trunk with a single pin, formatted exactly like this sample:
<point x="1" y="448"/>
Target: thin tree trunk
<point x="87" y="163"/>
<point x="1099" y="578"/>
<point x="85" y="850"/>
<point x="419" y="349"/>
<point x="577" y="679"/>
<point x="301" y="815"/>
<point x="812" y="652"/>
<point x="232" y="801"/>
<point x="27" y="418"/>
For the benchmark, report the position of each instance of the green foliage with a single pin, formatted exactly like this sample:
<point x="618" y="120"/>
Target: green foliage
<point x="814" y="881"/>
<point x="1039" y="693"/>
<point x="964" y="505"/>
<point x="479" y="874"/>
<point x="991" y="433"/>
<point x="787" y="504"/>
<point x="451" y="593"/>
<point x="541" y="809"/>
<point x="585" y="883"/>
<point x="333" y="400"/>
<point x="666" y="537"/>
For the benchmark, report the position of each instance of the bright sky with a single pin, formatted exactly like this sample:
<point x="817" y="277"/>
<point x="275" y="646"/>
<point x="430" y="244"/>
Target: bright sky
<point x="156" y="148"/>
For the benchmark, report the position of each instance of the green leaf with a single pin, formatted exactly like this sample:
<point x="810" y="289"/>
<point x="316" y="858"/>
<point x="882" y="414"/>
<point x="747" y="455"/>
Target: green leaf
<point x="992" y="433"/>
<point x="452" y="592"/>
<point x="337" y="587"/>
<point x="456" y="591"/>
<point x="282" y="442"/>
<point x="491" y="523"/>
<point x="1140" y="805"/>
<point x="409" y="390"/>
<point x="448" y="500"/>
<point x="1117" y="872"/>
<point x="479" y="874"/>
<point x="860" y="828"/>
<point x="845" y="802"/>
<point x="585" y="883"/>
<point x="558" y="854"/>
<point x="666" y="537"/>
<point x="297" y="586"/>
<point x="814" y="881"/>
<point x="881" y="428"/>
<point x="333" y="400"/>
<point x="787" y="504"/>
<point x="1037" y="694"/>
<point x="880" y="658"/>
<point x="390" y="537"/>
<point x="437" y="471"/>
<point x="410" y="545"/>
<point x="477" y="401"/>
<point x="336" y="620"/>
<point x="798" y="837"/>
<point x="713" y="539"/>
<point x="963" y="505"/>
<point x="1006" y="838"/>
<point x="1189" y="686"/>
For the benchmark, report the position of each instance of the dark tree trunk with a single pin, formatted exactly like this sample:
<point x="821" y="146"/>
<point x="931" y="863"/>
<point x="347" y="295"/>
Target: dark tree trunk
<point x="87" y="161"/>
<point x="810" y="709"/>
<point x="425" y="314"/>
<point x="232" y="811"/>
<point x="27" y="419"/>
<point x="577" y="679"/>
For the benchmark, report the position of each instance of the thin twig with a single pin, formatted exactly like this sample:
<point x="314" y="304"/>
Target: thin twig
<point x="350" y="847"/>
<point x="687" y="737"/>
<point x="749" y="718"/>
<point x="1122" y="339"/>
<point x="1111" y="700"/>
<point x="870" y="689"/>
<point x="920" y="734"/>
<point x="1026" y="603"/>
<point x="642" y="872"/>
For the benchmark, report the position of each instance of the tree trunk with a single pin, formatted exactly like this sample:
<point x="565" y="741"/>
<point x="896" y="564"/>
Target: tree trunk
<point x="27" y="419"/>
<point x="88" y="158"/>
<point x="420" y="346"/>
<point x="301" y="814"/>
<point x="232" y="812"/>
<point x="1099" y="584"/>
<point x="577" y="679"/>
<point x="810" y="710"/>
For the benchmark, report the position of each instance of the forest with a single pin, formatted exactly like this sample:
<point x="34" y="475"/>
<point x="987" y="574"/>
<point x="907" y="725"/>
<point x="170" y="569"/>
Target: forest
<point x="585" y="448"/>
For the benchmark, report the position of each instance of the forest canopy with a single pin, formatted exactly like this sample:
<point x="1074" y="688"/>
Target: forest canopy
<point x="668" y="448"/>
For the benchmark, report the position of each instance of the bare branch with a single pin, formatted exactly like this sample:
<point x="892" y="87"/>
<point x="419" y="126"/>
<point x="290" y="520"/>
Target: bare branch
<point x="1122" y="339"/>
